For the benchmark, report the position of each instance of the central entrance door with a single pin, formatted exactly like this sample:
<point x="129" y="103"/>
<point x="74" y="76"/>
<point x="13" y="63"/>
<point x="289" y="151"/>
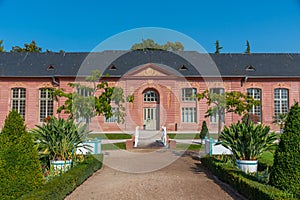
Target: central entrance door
<point x="150" y="118"/>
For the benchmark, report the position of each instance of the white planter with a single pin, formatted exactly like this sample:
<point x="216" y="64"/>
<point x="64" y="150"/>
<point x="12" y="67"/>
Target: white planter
<point x="212" y="148"/>
<point x="60" y="165"/>
<point x="95" y="147"/>
<point x="248" y="166"/>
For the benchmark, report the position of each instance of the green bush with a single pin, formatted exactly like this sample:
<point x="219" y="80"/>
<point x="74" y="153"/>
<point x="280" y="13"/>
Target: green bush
<point x="56" y="139"/>
<point x="285" y="173"/>
<point x="20" y="169"/>
<point x="204" y="130"/>
<point x="247" y="141"/>
<point x="242" y="182"/>
<point x="60" y="186"/>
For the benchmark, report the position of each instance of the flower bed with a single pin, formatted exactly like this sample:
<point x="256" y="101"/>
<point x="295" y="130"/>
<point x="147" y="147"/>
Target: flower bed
<point x="60" y="186"/>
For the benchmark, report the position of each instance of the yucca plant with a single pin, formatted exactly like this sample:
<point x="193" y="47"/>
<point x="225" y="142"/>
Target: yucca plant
<point x="247" y="141"/>
<point x="58" y="139"/>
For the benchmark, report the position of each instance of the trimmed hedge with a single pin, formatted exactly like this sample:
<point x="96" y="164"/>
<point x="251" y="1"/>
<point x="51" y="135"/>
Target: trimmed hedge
<point x="243" y="183"/>
<point x="60" y="186"/>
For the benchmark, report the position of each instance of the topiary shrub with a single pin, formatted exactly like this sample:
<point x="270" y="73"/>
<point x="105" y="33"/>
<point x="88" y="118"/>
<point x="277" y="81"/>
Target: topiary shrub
<point x="204" y="130"/>
<point x="285" y="173"/>
<point x="20" y="169"/>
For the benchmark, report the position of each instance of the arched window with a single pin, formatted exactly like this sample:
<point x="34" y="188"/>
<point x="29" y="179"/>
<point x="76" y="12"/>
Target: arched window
<point x="255" y="93"/>
<point x="150" y="96"/>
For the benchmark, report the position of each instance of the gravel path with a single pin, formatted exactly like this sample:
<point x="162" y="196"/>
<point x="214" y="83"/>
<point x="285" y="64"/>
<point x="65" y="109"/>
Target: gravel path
<point x="184" y="179"/>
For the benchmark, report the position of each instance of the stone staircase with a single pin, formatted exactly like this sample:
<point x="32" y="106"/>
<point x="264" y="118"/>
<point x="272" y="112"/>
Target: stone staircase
<point x="150" y="139"/>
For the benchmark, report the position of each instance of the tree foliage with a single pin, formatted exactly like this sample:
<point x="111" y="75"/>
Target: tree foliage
<point x="96" y="99"/>
<point x="32" y="47"/>
<point x="235" y="102"/>
<point x="1" y="46"/>
<point x="285" y="173"/>
<point x="151" y="44"/>
<point x="247" y="51"/>
<point x="218" y="47"/>
<point x="204" y="130"/>
<point x="20" y="169"/>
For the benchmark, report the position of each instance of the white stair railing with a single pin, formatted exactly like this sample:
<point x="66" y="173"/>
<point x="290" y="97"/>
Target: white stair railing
<point x="136" y="136"/>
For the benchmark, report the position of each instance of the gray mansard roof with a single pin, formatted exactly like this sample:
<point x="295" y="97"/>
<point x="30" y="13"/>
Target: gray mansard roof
<point x="118" y="63"/>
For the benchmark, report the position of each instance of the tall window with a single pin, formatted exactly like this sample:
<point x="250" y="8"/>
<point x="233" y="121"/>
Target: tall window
<point x="189" y="115"/>
<point x="113" y="118"/>
<point x="281" y="101"/>
<point x="255" y="93"/>
<point x="83" y="92"/>
<point x="188" y="94"/>
<point x="215" y="116"/>
<point x="18" y="102"/>
<point x="150" y="96"/>
<point x="46" y="103"/>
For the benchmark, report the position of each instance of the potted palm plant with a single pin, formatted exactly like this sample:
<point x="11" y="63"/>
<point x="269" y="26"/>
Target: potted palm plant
<point x="247" y="142"/>
<point x="58" y="139"/>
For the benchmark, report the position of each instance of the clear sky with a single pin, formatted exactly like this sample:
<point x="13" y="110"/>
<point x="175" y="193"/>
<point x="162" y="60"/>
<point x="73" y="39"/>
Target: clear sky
<point x="76" y="25"/>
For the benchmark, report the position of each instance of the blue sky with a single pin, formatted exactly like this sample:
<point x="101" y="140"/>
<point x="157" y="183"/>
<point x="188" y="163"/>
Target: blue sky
<point x="269" y="25"/>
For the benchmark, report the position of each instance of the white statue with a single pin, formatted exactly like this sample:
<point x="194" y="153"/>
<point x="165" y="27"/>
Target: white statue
<point x="164" y="136"/>
<point x="136" y="136"/>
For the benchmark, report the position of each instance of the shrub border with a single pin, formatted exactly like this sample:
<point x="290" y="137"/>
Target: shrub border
<point x="60" y="186"/>
<point x="242" y="182"/>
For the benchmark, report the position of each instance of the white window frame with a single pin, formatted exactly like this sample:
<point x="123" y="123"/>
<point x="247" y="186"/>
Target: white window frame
<point x="215" y="116"/>
<point x="187" y="95"/>
<point x="150" y="96"/>
<point x="49" y="104"/>
<point x="19" y="103"/>
<point x="113" y="118"/>
<point x="189" y="115"/>
<point x="255" y="110"/>
<point x="85" y="93"/>
<point x="282" y="101"/>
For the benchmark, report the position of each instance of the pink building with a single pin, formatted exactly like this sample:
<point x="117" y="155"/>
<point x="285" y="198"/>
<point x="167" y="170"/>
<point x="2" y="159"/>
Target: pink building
<point x="162" y="83"/>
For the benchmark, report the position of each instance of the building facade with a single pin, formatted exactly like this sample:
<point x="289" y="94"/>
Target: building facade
<point x="162" y="83"/>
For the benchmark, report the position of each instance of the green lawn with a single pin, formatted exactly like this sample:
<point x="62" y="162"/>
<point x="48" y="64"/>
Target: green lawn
<point x="111" y="136"/>
<point x="191" y="147"/>
<point x="183" y="136"/>
<point x="114" y="146"/>
<point x="189" y="136"/>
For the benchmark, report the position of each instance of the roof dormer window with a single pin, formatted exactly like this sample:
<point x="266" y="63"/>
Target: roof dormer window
<point x="112" y="67"/>
<point x="183" y="68"/>
<point x="250" y="68"/>
<point x="50" y="68"/>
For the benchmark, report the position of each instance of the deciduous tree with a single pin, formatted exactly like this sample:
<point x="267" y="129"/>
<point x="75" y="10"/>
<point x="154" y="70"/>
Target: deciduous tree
<point x="227" y="102"/>
<point x="151" y="44"/>
<point x="94" y="99"/>
<point x="32" y="47"/>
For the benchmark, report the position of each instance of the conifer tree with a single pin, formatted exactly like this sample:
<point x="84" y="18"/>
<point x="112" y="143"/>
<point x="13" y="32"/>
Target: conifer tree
<point x="285" y="173"/>
<point x="247" y="51"/>
<point x="204" y="130"/>
<point x="218" y="47"/>
<point x="20" y="169"/>
<point x="1" y="46"/>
